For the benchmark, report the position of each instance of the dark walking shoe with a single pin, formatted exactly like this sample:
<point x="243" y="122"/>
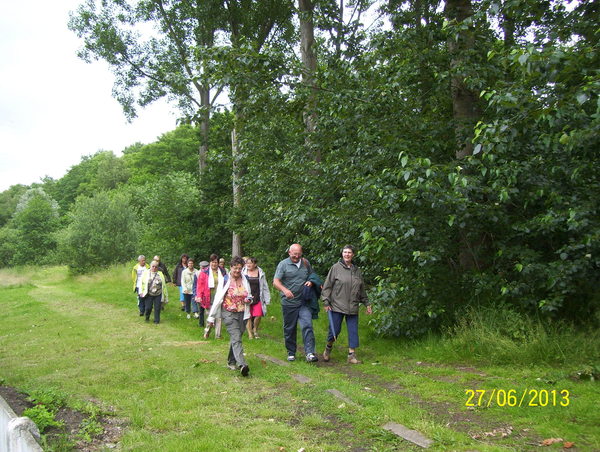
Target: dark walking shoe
<point x="327" y="353"/>
<point x="244" y="370"/>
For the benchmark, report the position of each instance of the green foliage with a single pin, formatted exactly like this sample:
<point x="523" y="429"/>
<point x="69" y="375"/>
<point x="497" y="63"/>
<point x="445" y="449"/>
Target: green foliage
<point x="175" y="151"/>
<point x="112" y="172"/>
<point x="89" y="429"/>
<point x="168" y="214"/>
<point x="8" y="241"/>
<point x="514" y="225"/>
<point x="43" y="417"/>
<point x="101" y="171"/>
<point x="34" y="223"/>
<point x="103" y="230"/>
<point x="154" y="67"/>
<point x="523" y="206"/>
<point x="47" y="403"/>
<point x="51" y="398"/>
<point x="8" y="202"/>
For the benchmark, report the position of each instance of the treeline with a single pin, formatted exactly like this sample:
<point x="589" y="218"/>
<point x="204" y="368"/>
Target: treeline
<point x="109" y="209"/>
<point x="456" y="147"/>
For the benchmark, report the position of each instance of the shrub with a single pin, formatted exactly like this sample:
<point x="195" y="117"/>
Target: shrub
<point x="33" y="225"/>
<point x="42" y="417"/>
<point x="103" y="231"/>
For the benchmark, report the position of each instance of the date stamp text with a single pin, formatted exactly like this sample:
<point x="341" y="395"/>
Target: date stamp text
<point x="514" y="398"/>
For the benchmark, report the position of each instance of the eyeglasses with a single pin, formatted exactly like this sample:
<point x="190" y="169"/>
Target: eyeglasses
<point x="296" y="254"/>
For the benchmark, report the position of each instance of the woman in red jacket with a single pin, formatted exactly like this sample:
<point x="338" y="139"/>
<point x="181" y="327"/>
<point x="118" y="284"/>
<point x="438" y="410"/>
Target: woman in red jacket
<point x="209" y="279"/>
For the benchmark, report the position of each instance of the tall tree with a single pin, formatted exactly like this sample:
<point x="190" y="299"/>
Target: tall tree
<point x="250" y="26"/>
<point x="309" y="60"/>
<point x="36" y="220"/>
<point x="157" y="64"/>
<point x="465" y="99"/>
<point x="466" y="108"/>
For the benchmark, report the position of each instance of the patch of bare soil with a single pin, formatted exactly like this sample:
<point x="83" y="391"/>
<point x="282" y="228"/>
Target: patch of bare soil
<point x="108" y="439"/>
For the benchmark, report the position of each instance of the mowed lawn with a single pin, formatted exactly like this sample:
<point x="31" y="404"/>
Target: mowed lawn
<point x="84" y="337"/>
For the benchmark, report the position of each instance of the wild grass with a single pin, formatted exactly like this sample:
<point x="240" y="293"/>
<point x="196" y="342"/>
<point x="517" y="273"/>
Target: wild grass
<point x="503" y="337"/>
<point x="81" y="338"/>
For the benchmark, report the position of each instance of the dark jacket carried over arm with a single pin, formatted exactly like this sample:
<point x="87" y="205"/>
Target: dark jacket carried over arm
<point x="312" y="294"/>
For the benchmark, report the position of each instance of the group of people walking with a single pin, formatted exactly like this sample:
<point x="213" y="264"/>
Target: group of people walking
<point x="239" y="297"/>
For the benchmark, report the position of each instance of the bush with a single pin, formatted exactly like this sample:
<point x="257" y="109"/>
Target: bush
<point x="103" y="231"/>
<point x="31" y="232"/>
<point x="42" y="417"/>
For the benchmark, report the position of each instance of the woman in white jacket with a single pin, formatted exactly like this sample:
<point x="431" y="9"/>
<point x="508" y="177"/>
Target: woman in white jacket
<point x="232" y="304"/>
<point x="153" y="289"/>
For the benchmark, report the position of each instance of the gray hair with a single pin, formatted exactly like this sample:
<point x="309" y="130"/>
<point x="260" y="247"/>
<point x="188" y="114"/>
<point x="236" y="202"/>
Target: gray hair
<point x="140" y="257"/>
<point x="349" y="247"/>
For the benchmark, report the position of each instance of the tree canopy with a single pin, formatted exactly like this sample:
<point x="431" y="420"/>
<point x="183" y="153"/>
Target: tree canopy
<point x="453" y="143"/>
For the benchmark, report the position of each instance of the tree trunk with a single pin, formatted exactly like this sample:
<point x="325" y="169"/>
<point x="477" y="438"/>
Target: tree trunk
<point x="466" y="110"/>
<point x="340" y="31"/>
<point x="236" y="241"/>
<point x="466" y="113"/>
<point x="309" y="59"/>
<point x="204" y="130"/>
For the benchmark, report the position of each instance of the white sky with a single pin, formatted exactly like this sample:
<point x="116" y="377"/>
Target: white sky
<point x="54" y="107"/>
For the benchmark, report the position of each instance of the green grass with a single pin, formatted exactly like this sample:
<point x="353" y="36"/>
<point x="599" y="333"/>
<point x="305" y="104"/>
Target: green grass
<point x="81" y="339"/>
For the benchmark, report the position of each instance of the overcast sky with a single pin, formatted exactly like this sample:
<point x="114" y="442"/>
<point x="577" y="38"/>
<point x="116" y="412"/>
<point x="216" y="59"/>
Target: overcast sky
<point x="54" y="107"/>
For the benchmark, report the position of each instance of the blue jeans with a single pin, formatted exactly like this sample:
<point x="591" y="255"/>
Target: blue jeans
<point x="187" y="297"/>
<point x="140" y="301"/>
<point x="351" y="323"/>
<point x="292" y="315"/>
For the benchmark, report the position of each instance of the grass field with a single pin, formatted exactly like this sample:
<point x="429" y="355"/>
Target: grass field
<point x="82" y="337"/>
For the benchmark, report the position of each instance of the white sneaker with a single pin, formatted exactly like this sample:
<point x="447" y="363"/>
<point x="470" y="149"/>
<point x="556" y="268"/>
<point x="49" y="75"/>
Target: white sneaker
<point x="291" y="358"/>
<point x="189" y="316"/>
<point x="311" y="358"/>
<point x="196" y="315"/>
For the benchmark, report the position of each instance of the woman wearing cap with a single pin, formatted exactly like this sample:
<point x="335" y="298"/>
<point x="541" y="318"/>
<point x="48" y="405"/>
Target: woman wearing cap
<point x="195" y="300"/>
